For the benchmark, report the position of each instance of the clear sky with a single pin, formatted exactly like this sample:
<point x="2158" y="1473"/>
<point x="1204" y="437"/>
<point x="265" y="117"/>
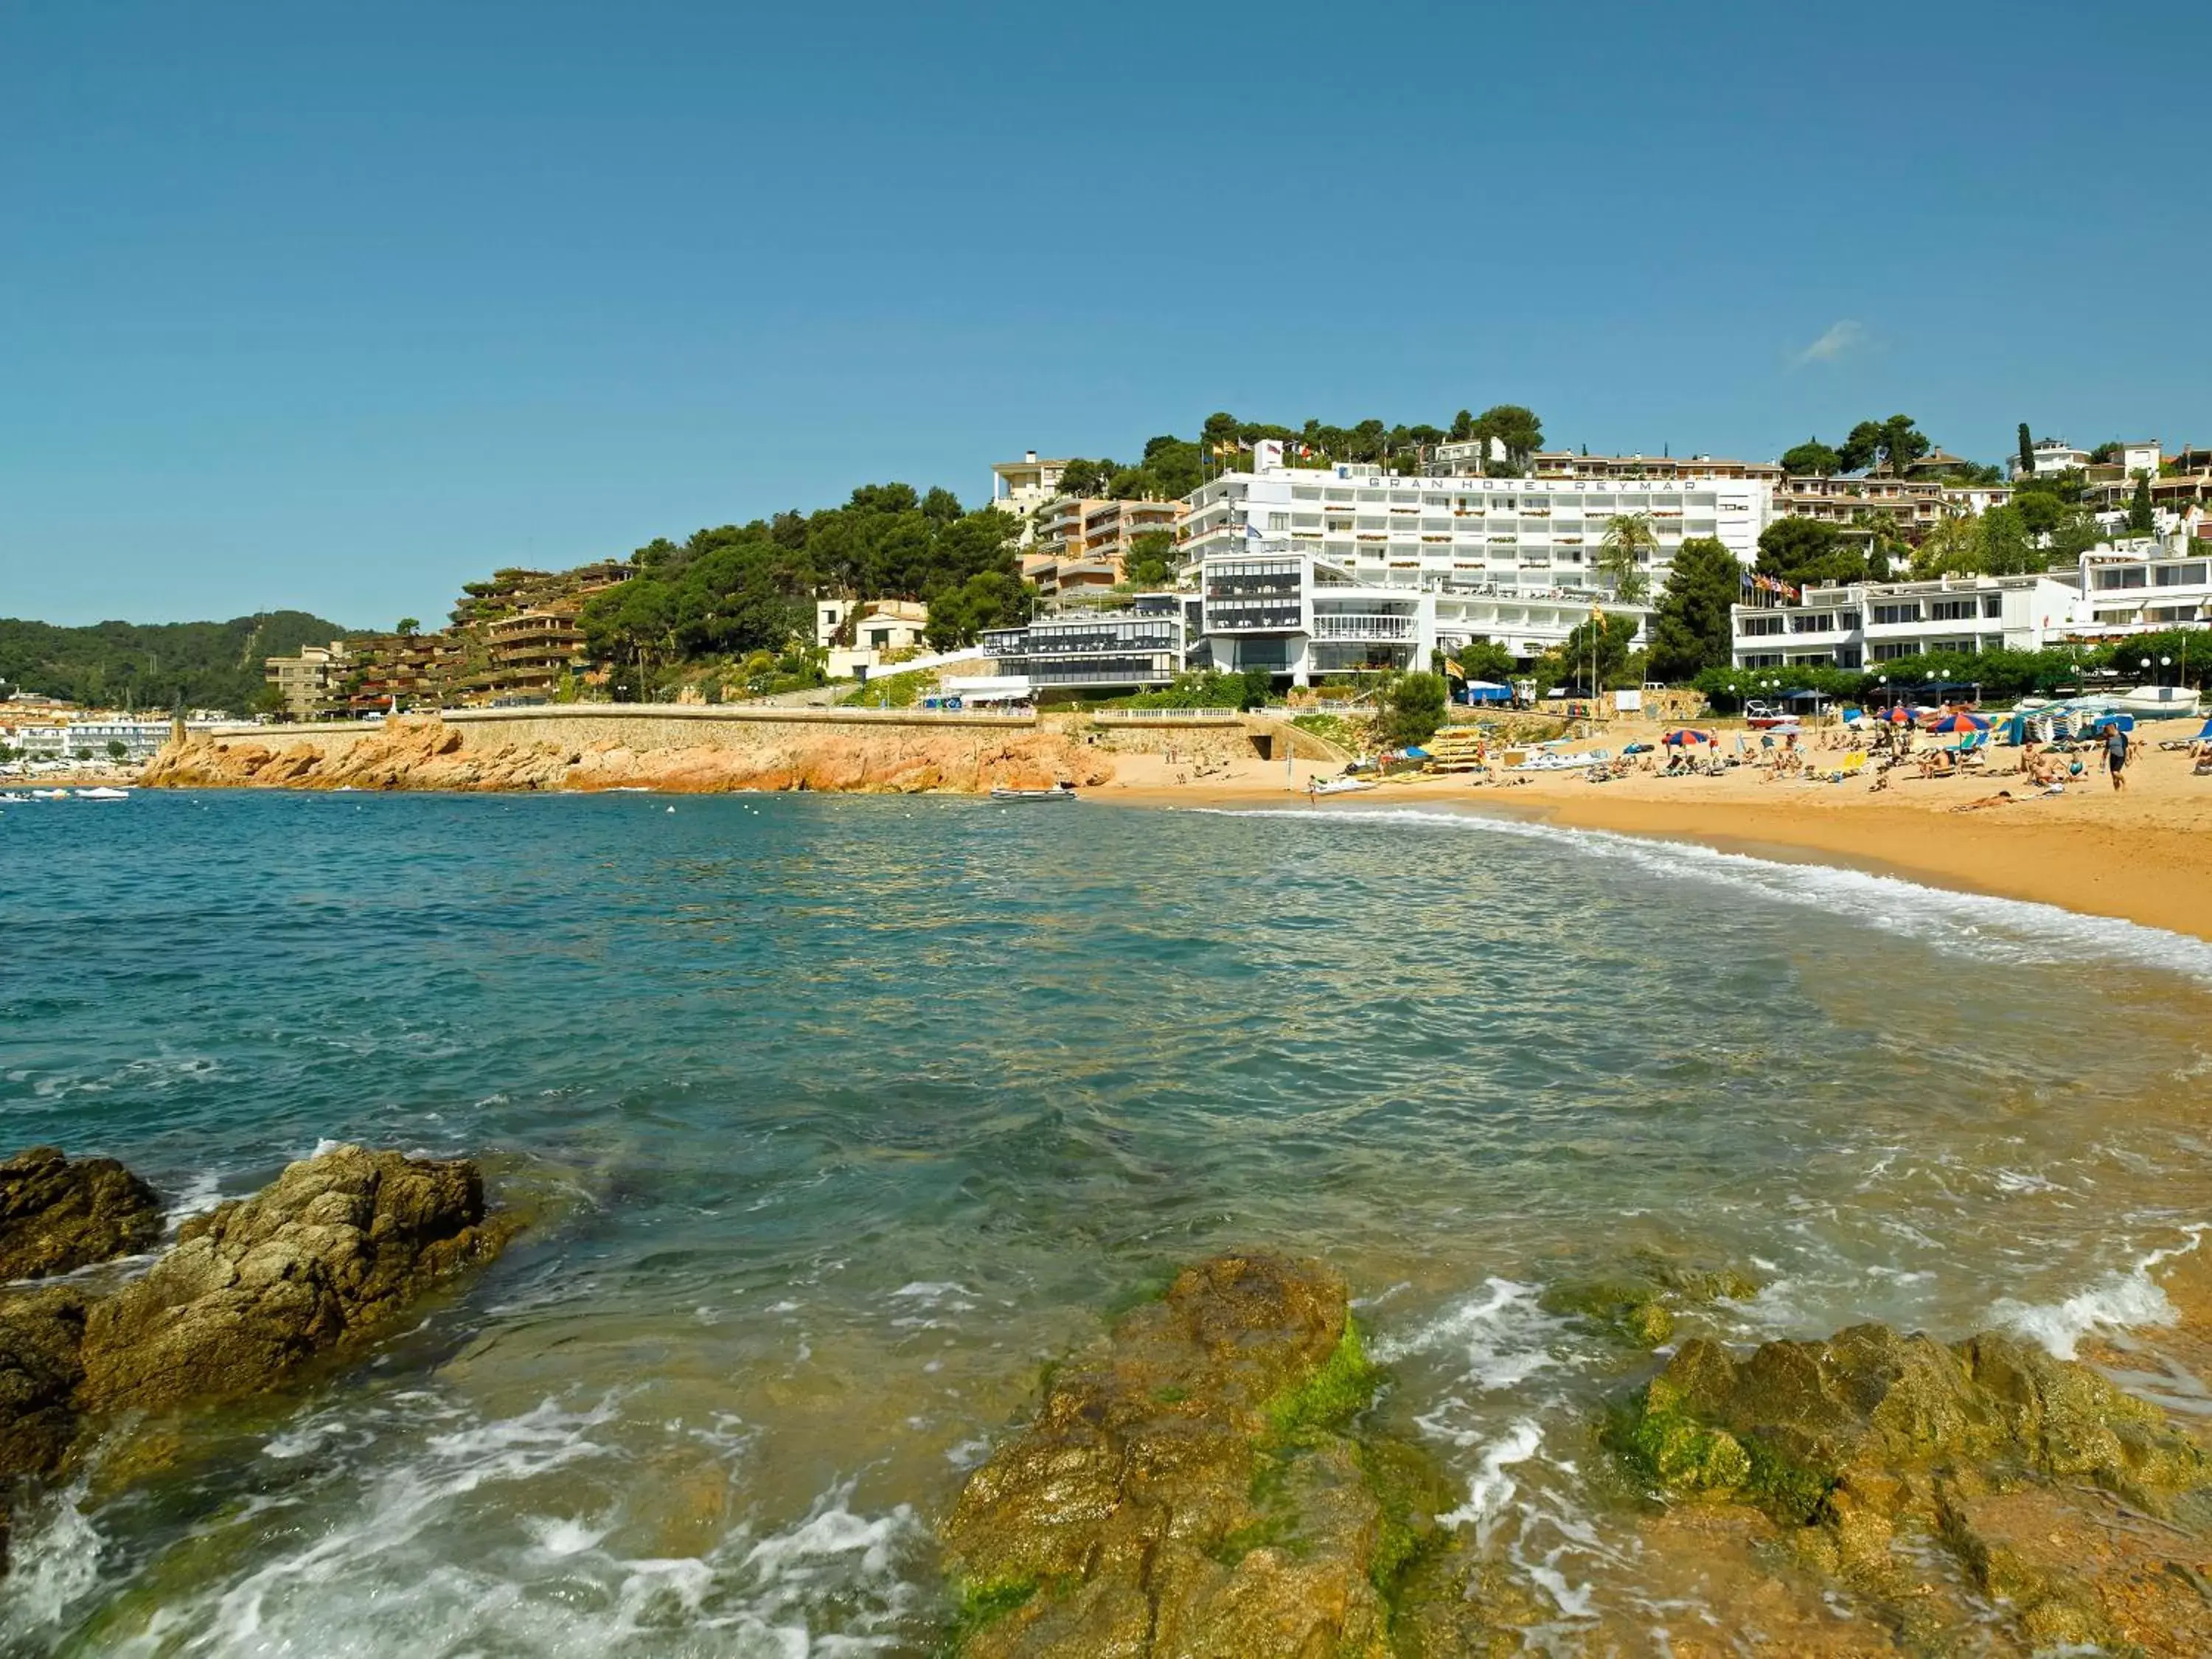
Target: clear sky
<point x="335" y="306"/>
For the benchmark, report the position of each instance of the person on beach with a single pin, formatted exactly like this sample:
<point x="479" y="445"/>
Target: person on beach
<point x="2002" y="797"/>
<point x="2116" y="754"/>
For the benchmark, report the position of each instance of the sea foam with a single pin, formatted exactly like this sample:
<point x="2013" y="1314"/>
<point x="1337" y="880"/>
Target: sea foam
<point x="1980" y="925"/>
<point x="2116" y="1302"/>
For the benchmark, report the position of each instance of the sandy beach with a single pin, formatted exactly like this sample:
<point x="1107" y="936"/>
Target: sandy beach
<point x="2144" y="854"/>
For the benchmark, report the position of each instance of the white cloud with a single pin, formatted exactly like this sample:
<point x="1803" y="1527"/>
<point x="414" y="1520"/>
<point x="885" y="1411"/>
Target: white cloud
<point x="1842" y="336"/>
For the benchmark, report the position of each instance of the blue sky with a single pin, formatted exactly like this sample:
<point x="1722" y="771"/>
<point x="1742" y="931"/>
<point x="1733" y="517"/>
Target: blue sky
<point x="334" y="305"/>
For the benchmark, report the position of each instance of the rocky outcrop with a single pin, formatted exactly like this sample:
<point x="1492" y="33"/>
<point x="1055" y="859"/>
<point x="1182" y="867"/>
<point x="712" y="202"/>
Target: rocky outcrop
<point x="56" y="1216"/>
<point x="41" y="1333"/>
<point x="1869" y="1449"/>
<point x="429" y="754"/>
<point x="1191" y="1487"/>
<point x="337" y="1245"/>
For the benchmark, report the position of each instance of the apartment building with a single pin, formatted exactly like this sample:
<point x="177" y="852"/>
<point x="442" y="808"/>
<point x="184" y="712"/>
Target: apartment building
<point x="1517" y="537"/>
<point x="142" y="737"/>
<point x="311" y="682"/>
<point x="1306" y="617"/>
<point x="2053" y="455"/>
<point x="1022" y="487"/>
<point x="1862" y="624"/>
<point x="1083" y="543"/>
<point x="2146" y="585"/>
<point x="534" y="653"/>
<point x="1565" y="464"/>
<point x="1908" y="507"/>
<point x="398" y="671"/>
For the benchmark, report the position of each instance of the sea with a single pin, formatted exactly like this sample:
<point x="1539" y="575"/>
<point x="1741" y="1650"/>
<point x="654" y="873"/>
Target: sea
<point x="836" y="1120"/>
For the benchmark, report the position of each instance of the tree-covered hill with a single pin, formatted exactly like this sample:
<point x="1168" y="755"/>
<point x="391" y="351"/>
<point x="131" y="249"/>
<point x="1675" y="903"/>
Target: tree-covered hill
<point x="149" y="665"/>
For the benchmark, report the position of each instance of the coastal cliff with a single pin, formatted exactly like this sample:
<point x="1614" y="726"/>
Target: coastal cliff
<point x="552" y="753"/>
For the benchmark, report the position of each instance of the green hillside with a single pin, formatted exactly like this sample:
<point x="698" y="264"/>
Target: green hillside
<point x="149" y="665"/>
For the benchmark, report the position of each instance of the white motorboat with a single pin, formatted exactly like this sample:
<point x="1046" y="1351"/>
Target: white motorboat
<point x="49" y="794"/>
<point x="1339" y="786"/>
<point x="1058" y="792"/>
<point x="101" y="792"/>
<point x="2159" y="702"/>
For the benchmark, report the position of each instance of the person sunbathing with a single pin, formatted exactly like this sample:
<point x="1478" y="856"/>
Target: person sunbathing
<point x="1938" y="763"/>
<point x="2002" y="797"/>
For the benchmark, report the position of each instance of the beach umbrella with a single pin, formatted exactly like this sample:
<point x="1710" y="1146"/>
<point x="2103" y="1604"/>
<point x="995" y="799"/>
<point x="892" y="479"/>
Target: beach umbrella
<point x="1959" y="721"/>
<point x="1900" y="715"/>
<point x="1686" y="735"/>
<point x="2204" y="736"/>
<point x="2125" y="722"/>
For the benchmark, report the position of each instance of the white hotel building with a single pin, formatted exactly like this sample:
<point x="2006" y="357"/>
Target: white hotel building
<point x="1524" y="537"/>
<point x="2117" y="591"/>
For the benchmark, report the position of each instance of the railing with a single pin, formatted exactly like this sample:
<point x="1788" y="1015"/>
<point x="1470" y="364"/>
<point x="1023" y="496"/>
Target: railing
<point x="1362" y="627"/>
<point x="1167" y="716"/>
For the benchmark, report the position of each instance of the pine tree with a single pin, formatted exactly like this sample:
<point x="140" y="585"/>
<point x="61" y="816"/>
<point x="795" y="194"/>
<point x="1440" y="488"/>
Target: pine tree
<point x="1691" y="631"/>
<point x="2027" y="452"/>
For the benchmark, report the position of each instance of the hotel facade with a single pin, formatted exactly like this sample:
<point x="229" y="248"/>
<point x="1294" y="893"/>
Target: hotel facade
<point x="2116" y="591"/>
<point x="1525" y="538"/>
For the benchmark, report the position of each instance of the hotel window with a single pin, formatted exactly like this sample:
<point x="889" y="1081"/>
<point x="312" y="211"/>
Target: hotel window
<point x="1279" y="521"/>
<point x="1889" y="616"/>
<point x="1993" y="605"/>
<point x="2181" y="575"/>
<point x="1952" y="609"/>
<point x="2127" y="577"/>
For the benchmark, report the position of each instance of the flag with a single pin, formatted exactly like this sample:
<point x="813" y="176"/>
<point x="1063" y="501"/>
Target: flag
<point x="1452" y="668"/>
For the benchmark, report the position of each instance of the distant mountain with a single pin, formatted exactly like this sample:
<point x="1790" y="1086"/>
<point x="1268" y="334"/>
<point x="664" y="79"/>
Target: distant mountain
<point x="208" y="665"/>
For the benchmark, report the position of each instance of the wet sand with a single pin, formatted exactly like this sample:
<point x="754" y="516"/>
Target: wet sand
<point x="2144" y="855"/>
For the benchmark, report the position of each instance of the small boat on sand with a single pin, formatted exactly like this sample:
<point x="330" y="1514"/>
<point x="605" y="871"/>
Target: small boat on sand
<point x="1058" y="792"/>
<point x="1339" y="786"/>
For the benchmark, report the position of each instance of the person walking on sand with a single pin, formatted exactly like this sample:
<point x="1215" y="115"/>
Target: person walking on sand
<point x="2116" y="754"/>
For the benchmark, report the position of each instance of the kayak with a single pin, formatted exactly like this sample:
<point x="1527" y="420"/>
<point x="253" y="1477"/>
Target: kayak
<point x="1060" y="792"/>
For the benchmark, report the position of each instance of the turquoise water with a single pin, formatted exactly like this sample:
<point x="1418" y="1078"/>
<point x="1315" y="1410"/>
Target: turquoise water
<point x="839" y="1117"/>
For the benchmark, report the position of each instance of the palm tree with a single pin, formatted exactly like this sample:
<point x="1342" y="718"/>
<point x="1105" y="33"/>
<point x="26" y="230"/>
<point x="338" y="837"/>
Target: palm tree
<point x="1952" y="547"/>
<point x="1627" y="536"/>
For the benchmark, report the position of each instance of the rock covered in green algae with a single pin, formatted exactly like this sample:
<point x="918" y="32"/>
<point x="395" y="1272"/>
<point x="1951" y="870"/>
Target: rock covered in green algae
<point x="2014" y="1463"/>
<point x="1190" y="1489"/>
<point x="1868" y="1404"/>
<point x="57" y="1215"/>
<point x="336" y="1245"/>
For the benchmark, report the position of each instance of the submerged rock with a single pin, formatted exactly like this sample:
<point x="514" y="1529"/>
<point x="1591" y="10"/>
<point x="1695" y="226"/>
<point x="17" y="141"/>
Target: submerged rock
<point x="1639" y="1304"/>
<point x="56" y="1216"/>
<point x="1190" y="1486"/>
<point x="335" y="1246"/>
